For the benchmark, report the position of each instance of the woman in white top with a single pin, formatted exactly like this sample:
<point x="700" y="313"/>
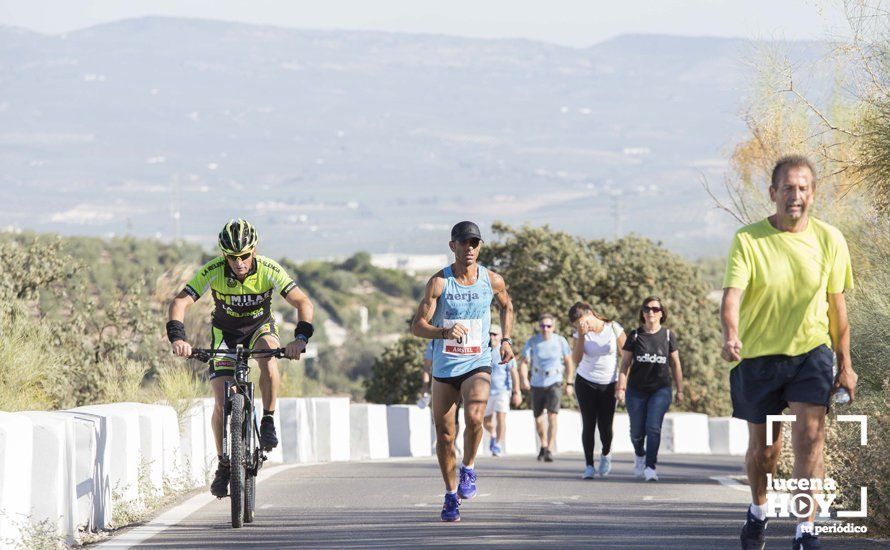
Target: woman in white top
<point x="597" y="340"/>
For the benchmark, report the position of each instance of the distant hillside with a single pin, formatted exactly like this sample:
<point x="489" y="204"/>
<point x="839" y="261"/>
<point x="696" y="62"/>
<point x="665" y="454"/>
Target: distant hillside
<point x="336" y="141"/>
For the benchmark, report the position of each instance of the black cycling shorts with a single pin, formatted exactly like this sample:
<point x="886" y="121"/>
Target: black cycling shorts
<point x="456" y="381"/>
<point x="765" y="385"/>
<point x="225" y="366"/>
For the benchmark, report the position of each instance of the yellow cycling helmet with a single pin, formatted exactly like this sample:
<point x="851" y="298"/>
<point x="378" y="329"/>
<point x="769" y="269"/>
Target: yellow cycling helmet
<point x="237" y="237"/>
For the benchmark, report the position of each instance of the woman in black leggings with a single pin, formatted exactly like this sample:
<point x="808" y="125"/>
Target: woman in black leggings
<point x="595" y="351"/>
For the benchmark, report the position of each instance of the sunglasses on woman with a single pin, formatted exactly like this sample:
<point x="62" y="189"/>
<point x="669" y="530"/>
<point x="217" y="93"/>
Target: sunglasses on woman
<point x="545" y="325"/>
<point x="653" y="309"/>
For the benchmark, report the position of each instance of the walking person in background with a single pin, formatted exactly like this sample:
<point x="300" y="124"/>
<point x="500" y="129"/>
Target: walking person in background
<point x="549" y="355"/>
<point x="783" y="298"/>
<point x="597" y="340"/>
<point x="504" y="383"/>
<point x="647" y="389"/>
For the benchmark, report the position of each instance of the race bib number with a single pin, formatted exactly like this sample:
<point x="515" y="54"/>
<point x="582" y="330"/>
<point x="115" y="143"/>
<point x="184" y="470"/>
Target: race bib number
<point x="470" y="343"/>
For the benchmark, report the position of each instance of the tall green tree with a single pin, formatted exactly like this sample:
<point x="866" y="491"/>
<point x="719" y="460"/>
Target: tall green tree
<point x="549" y="270"/>
<point x="396" y="374"/>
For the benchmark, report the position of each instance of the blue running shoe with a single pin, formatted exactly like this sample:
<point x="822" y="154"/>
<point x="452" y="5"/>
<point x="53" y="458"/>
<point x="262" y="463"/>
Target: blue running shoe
<point x="466" y="487"/>
<point x="451" y="508"/>
<point x="492" y="445"/>
<point x="496" y="450"/>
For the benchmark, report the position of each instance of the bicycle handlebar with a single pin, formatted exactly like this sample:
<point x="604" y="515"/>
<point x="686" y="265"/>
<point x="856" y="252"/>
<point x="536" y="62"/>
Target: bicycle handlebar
<point x="204" y="355"/>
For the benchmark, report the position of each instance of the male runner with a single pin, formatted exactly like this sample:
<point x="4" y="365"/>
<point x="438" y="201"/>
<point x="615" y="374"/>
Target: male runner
<point x="455" y="313"/>
<point x="793" y="270"/>
<point x="549" y="354"/>
<point x="241" y="283"/>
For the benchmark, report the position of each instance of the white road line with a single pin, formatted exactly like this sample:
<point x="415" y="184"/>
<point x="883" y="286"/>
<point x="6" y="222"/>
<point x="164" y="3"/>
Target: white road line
<point x="179" y="512"/>
<point x="731" y="483"/>
<point x="647" y="497"/>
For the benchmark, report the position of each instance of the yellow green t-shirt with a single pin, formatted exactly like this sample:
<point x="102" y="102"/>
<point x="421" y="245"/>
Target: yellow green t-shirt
<point x="786" y="278"/>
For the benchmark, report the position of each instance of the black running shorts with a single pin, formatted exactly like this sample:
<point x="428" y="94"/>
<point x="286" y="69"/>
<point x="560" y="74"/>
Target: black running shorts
<point x="765" y="385"/>
<point x="546" y="397"/>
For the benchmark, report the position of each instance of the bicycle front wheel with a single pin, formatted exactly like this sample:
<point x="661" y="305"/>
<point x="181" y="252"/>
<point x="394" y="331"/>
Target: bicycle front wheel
<point x="237" y="459"/>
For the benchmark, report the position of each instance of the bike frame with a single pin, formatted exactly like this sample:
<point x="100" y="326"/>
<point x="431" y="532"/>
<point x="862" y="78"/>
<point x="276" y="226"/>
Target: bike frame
<point x="251" y="436"/>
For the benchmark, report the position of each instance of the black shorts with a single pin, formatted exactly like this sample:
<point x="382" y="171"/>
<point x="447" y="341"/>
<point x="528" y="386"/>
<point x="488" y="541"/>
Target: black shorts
<point x="456" y="381"/>
<point x="765" y="385"/>
<point x="547" y="397"/>
<point x="219" y="339"/>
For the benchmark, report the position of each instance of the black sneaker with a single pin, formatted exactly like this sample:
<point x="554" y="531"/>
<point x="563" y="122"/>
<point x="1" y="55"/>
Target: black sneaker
<point x="548" y="456"/>
<point x="752" y="533"/>
<point x="541" y="454"/>
<point x="268" y="439"/>
<point x="808" y="541"/>
<point x="220" y="486"/>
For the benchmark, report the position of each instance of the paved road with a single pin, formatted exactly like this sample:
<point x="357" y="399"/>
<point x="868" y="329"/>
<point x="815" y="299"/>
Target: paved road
<point x="522" y="503"/>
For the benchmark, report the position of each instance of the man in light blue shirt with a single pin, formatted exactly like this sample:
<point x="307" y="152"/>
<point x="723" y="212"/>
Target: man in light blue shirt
<point x="504" y="382"/>
<point x="549" y="354"/>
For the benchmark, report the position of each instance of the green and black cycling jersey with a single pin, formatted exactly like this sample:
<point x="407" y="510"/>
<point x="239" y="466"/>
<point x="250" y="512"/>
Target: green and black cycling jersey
<point x="241" y="306"/>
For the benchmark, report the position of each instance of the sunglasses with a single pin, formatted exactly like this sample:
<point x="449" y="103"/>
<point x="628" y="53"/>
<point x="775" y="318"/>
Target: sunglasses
<point x="653" y="309"/>
<point x="242" y="257"/>
<point x="493" y="334"/>
<point x="544" y="325"/>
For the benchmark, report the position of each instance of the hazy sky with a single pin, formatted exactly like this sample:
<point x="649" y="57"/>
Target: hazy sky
<point x="568" y="22"/>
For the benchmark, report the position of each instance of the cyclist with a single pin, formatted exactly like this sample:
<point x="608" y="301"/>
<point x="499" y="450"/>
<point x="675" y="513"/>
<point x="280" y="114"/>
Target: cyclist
<point x="241" y="283"/>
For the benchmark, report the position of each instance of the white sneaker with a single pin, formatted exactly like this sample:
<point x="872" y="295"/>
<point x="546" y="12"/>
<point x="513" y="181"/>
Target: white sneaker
<point x="650" y="474"/>
<point x="588" y="472"/>
<point x="639" y="465"/>
<point x="605" y="465"/>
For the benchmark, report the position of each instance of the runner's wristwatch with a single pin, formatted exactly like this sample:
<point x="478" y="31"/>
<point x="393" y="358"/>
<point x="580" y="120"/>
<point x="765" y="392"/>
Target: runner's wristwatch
<point x="507" y="340"/>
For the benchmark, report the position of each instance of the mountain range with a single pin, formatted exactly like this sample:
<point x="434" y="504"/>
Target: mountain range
<point x="337" y="141"/>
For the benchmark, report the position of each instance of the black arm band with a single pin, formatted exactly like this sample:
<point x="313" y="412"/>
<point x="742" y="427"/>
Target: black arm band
<point x="175" y="331"/>
<point x="304" y="328"/>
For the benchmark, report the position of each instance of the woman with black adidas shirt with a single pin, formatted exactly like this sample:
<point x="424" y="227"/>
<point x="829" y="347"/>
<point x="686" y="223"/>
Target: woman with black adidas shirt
<point x="650" y="354"/>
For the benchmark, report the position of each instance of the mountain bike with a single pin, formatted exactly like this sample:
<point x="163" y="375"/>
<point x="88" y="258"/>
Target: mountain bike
<point x="242" y="449"/>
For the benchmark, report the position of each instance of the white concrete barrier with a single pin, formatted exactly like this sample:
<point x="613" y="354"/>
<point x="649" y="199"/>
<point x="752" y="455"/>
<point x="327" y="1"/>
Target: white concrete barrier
<point x="94" y="502"/>
<point x="620" y="435"/>
<point x="409" y="430"/>
<point x="296" y="431"/>
<point x="685" y="432"/>
<point x="209" y="438"/>
<point x="331" y="428"/>
<point x="728" y="436"/>
<point x="195" y="457"/>
<point x="568" y="433"/>
<point x="520" y="437"/>
<point x="276" y="454"/>
<point x="16" y="455"/>
<point x="123" y="446"/>
<point x="53" y="485"/>
<point x="155" y="447"/>
<point x="369" y="436"/>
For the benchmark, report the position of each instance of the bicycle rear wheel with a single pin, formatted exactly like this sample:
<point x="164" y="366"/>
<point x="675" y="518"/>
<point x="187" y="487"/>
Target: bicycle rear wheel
<point x="249" y="498"/>
<point x="250" y="479"/>
<point x="237" y="459"/>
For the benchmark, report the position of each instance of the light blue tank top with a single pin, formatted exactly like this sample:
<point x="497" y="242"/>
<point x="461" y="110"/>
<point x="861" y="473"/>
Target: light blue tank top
<point x="471" y="307"/>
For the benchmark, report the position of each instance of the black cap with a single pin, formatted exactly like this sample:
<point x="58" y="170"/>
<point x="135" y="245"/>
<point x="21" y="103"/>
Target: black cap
<point x="465" y="230"/>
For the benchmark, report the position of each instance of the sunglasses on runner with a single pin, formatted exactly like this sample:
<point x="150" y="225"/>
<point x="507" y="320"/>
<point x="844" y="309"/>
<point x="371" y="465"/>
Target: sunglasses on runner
<point x="242" y="257"/>
<point x="653" y="309"/>
<point x="545" y="325"/>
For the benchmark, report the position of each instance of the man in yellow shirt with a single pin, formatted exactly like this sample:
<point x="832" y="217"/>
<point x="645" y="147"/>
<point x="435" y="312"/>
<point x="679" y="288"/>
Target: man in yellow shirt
<point x="783" y="312"/>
